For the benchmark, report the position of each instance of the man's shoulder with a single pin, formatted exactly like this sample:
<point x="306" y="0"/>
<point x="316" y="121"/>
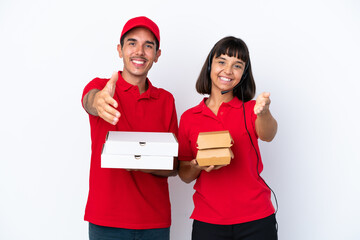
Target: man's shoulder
<point x="100" y="80"/>
<point x="97" y="82"/>
<point x="162" y="93"/>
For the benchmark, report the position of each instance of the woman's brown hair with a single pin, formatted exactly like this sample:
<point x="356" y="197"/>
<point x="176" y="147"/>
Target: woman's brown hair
<point x="233" y="47"/>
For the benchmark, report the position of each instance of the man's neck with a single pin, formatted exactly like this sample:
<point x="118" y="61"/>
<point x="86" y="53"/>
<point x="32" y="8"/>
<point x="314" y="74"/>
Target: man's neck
<point x="139" y="81"/>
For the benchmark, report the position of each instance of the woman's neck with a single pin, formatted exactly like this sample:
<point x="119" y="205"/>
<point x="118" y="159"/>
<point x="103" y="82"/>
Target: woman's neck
<point x="216" y="99"/>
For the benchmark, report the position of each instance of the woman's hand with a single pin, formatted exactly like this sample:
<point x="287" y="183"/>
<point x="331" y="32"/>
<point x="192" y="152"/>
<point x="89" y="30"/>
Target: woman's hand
<point x="262" y="103"/>
<point x="195" y="164"/>
<point x="265" y="123"/>
<point x="190" y="170"/>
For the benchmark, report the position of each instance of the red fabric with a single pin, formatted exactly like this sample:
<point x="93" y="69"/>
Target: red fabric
<point x="233" y="194"/>
<point x="121" y="198"/>
<point x="141" y="22"/>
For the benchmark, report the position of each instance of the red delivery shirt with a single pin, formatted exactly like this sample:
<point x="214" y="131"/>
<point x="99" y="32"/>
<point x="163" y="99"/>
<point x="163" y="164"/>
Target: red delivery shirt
<point x="234" y="193"/>
<point x="121" y="198"/>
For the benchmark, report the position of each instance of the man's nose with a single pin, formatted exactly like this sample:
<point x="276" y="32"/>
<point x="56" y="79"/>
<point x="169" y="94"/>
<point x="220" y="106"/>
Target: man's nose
<point x="140" y="50"/>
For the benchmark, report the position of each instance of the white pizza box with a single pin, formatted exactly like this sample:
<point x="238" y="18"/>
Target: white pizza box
<point x="139" y="150"/>
<point x="136" y="161"/>
<point x="141" y="143"/>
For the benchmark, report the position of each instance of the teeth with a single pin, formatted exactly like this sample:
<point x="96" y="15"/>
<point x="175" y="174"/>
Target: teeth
<point x="138" y="62"/>
<point x="225" y="79"/>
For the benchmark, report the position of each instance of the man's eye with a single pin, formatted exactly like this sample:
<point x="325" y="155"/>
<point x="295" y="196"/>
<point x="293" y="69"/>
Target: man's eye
<point x="149" y="46"/>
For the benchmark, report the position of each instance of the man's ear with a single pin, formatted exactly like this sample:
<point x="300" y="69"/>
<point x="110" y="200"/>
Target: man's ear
<point x="158" y="53"/>
<point x="119" y="49"/>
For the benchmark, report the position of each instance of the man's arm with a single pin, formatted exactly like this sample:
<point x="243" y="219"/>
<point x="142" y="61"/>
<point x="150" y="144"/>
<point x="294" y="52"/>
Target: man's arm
<point x="101" y="102"/>
<point x="88" y="102"/>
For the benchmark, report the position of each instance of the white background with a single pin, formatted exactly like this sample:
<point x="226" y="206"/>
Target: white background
<point x="306" y="53"/>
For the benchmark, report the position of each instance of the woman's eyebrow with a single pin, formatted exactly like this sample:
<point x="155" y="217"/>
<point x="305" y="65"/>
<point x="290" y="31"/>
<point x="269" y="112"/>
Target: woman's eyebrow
<point x="222" y="58"/>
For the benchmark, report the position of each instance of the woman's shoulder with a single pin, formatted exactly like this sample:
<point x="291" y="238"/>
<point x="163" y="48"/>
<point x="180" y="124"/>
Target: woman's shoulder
<point x="194" y="110"/>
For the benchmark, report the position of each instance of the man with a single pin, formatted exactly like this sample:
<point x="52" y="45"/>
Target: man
<point x="128" y="204"/>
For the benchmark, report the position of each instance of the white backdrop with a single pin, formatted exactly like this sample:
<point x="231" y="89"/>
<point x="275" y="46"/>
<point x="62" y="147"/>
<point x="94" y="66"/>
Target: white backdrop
<point x="306" y="53"/>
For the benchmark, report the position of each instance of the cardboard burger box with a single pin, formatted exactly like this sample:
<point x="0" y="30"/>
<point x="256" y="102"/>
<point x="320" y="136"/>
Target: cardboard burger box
<point x="214" y="148"/>
<point x="139" y="150"/>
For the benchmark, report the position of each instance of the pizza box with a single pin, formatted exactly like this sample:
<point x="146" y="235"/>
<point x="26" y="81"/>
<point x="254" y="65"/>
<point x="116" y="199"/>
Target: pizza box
<point x="139" y="150"/>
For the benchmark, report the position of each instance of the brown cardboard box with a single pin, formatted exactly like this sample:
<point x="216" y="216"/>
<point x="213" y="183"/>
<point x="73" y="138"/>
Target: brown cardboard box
<point x="214" y="148"/>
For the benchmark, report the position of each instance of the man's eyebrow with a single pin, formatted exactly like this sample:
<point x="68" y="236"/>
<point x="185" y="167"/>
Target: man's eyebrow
<point x="134" y="40"/>
<point x="150" y="42"/>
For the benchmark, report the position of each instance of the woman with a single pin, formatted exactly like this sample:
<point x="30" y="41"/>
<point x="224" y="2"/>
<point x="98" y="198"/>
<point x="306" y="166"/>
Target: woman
<point x="233" y="201"/>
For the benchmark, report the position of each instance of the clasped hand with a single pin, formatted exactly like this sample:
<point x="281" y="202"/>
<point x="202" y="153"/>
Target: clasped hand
<point x="262" y="103"/>
<point x="105" y="104"/>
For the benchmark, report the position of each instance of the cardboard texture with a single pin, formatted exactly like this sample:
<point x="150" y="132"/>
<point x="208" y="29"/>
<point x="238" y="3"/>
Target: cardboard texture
<point x="139" y="150"/>
<point x="214" y="148"/>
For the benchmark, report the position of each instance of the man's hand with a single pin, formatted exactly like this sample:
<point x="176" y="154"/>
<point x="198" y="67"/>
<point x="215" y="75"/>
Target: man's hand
<point x="105" y="104"/>
<point x="262" y="103"/>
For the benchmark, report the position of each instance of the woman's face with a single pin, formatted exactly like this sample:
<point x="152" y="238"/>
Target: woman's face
<point x="226" y="72"/>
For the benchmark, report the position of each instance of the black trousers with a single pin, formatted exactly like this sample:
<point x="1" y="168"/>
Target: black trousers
<point x="262" y="229"/>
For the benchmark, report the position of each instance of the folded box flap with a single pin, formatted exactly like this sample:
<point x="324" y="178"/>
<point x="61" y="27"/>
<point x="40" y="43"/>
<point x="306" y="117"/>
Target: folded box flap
<point x="216" y="139"/>
<point x="215" y="153"/>
<point x="141" y="143"/>
<point x="216" y="156"/>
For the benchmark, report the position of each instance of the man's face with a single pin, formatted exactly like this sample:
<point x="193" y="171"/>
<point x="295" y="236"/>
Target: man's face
<point x="138" y="52"/>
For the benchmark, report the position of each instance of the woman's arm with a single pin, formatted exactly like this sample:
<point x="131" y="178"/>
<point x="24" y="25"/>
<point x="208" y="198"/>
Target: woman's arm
<point x="190" y="170"/>
<point x="265" y="124"/>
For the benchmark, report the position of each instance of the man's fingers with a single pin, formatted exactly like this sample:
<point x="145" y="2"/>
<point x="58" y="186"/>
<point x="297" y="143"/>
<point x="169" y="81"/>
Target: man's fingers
<point x="108" y="113"/>
<point x="111" y="84"/>
<point x="108" y="117"/>
<point x="106" y="108"/>
<point x="114" y="76"/>
<point x="111" y="101"/>
<point x="112" y="111"/>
